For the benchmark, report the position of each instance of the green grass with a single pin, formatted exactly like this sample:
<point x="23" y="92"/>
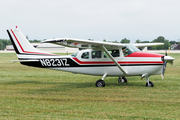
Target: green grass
<point x="34" y="93"/>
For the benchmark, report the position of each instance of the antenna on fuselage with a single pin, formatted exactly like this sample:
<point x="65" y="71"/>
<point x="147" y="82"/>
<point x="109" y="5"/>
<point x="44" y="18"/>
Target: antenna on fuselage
<point x="108" y="38"/>
<point x="100" y="37"/>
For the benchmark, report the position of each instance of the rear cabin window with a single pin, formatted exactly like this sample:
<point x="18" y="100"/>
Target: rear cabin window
<point x="114" y="53"/>
<point x="85" y="55"/>
<point x="75" y="54"/>
<point x="96" y="54"/>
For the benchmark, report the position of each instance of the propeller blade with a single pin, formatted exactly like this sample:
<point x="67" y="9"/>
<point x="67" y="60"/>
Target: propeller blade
<point x="164" y="68"/>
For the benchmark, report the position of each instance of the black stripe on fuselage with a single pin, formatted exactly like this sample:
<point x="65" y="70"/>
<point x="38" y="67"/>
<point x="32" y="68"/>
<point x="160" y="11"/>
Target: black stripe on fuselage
<point x="68" y="62"/>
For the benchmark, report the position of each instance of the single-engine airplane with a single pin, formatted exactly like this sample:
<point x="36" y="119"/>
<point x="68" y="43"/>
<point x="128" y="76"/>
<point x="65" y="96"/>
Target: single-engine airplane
<point x="98" y="58"/>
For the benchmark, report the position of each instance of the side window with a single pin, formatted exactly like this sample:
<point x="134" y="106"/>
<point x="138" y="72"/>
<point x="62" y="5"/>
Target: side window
<point x="114" y="53"/>
<point x="85" y="55"/>
<point x="105" y="55"/>
<point x="96" y="54"/>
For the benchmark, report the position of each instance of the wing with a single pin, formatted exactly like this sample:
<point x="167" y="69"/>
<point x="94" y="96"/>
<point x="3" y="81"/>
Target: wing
<point x="147" y="44"/>
<point x="141" y="46"/>
<point x="79" y="43"/>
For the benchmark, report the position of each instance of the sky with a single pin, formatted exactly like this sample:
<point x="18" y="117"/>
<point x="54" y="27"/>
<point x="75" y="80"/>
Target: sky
<point x="92" y="19"/>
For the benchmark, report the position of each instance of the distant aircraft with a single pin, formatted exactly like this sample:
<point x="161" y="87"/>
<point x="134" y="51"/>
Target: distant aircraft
<point x="98" y="58"/>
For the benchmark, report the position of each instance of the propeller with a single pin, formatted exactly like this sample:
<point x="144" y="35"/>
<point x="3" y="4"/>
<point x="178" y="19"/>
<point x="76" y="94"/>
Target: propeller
<point x="164" y="67"/>
<point x="166" y="59"/>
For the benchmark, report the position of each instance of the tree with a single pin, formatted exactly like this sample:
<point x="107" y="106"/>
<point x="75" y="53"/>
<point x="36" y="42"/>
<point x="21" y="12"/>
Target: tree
<point x="90" y="39"/>
<point x="138" y="41"/>
<point x="145" y="42"/>
<point x="4" y="43"/>
<point x="27" y="37"/>
<point x="161" y="39"/>
<point x="173" y="42"/>
<point x="104" y="40"/>
<point x="125" y="40"/>
<point x="167" y="44"/>
<point x="34" y="41"/>
<point x="115" y="41"/>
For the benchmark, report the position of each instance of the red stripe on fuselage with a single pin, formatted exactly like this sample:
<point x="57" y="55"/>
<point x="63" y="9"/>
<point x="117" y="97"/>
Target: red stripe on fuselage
<point x="110" y="62"/>
<point x="143" y="54"/>
<point x="23" y="49"/>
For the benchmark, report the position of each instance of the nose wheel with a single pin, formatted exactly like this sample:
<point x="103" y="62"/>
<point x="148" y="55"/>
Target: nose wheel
<point x="149" y="83"/>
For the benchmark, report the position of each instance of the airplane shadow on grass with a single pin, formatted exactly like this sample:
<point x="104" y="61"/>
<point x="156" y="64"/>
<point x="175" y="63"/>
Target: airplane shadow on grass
<point x="68" y="86"/>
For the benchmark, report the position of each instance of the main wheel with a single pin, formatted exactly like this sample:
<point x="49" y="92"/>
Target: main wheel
<point x="150" y="84"/>
<point x="125" y="80"/>
<point x="100" y="83"/>
<point x="122" y="80"/>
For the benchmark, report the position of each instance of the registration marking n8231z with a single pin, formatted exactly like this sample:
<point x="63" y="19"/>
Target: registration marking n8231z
<point x="54" y="62"/>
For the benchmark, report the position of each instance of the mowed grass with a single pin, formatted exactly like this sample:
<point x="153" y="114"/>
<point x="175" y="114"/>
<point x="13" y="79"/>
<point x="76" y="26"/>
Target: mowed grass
<point x="35" y="93"/>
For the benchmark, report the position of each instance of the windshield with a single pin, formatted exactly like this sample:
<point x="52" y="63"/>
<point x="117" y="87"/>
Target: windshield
<point x="128" y="49"/>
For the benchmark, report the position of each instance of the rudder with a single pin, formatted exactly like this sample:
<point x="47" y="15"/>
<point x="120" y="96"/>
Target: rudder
<point x="21" y="45"/>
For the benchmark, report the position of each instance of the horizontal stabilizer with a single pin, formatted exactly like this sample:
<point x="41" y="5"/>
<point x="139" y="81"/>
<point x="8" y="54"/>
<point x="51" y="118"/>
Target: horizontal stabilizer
<point x="24" y="60"/>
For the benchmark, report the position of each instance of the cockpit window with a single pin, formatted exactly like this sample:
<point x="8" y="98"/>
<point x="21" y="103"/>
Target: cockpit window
<point x="128" y="49"/>
<point x="114" y="53"/>
<point x="96" y="54"/>
<point x="85" y="55"/>
<point x="75" y="54"/>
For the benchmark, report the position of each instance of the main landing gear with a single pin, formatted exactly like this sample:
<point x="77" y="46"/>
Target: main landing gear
<point x="101" y="83"/>
<point x="122" y="80"/>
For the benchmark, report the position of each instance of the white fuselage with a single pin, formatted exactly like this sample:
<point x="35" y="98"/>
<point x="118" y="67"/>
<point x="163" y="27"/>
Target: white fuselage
<point x="134" y="66"/>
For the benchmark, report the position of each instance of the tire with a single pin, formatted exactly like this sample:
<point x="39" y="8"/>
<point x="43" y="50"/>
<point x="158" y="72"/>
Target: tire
<point x="124" y="79"/>
<point x="120" y="80"/>
<point x="100" y="83"/>
<point x="150" y="84"/>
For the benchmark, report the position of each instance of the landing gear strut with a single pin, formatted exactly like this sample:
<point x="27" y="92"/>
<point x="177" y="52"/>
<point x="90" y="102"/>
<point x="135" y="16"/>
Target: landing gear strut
<point x="100" y="82"/>
<point x="122" y="80"/>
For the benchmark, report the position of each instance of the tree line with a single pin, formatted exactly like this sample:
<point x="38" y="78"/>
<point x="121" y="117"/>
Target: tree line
<point x="5" y="42"/>
<point x="160" y="39"/>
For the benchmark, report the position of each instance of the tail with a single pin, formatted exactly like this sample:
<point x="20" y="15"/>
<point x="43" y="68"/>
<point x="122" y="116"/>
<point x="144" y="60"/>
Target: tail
<point x="23" y="48"/>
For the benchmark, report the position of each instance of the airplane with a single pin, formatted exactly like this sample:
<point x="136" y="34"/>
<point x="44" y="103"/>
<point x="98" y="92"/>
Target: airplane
<point x="97" y="58"/>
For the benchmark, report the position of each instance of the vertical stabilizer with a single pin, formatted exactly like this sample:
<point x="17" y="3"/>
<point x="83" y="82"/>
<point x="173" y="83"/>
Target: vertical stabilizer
<point x="21" y="45"/>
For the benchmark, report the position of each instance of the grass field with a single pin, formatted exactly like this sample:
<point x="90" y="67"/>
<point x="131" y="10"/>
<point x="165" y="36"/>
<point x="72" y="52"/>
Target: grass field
<point x="34" y="93"/>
